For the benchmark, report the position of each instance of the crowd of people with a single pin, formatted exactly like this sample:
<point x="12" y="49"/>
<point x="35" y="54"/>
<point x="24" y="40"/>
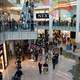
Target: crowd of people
<point x="43" y="55"/>
<point x="36" y="52"/>
<point x="52" y="56"/>
<point x="54" y="50"/>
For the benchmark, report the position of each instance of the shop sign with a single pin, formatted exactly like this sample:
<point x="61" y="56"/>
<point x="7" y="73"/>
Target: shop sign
<point x="42" y="15"/>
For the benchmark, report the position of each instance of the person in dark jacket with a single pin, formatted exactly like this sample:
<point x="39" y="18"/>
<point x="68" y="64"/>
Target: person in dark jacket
<point x="53" y="61"/>
<point x="36" y="55"/>
<point x="40" y="67"/>
<point x="61" y="50"/>
<point x="74" y="48"/>
<point x="18" y="74"/>
<point x="56" y="58"/>
<point x="1" y="77"/>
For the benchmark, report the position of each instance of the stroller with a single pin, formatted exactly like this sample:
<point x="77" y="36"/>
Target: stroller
<point x="45" y="68"/>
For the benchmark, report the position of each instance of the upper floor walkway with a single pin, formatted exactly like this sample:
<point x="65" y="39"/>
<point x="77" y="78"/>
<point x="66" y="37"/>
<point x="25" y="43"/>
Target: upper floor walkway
<point x="27" y="27"/>
<point x="17" y="32"/>
<point x="13" y="30"/>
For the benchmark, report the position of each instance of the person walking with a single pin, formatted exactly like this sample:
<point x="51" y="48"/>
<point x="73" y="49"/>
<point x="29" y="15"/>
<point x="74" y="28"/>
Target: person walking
<point x="74" y="47"/>
<point x="36" y="56"/>
<point x="61" y="50"/>
<point x="18" y="74"/>
<point x="40" y="67"/>
<point x="56" y="58"/>
<point x="53" y="61"/>
<point x="1" y="76"/>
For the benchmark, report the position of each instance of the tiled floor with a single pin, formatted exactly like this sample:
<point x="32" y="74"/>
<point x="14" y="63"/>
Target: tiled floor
<point x="30" y="70"/>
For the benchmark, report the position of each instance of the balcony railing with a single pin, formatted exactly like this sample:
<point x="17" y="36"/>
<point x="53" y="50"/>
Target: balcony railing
<point x="62" y="25"/>
<point x="27" y="27"/>
<point x="67" y="28"/>
<point x="16" y="27"/>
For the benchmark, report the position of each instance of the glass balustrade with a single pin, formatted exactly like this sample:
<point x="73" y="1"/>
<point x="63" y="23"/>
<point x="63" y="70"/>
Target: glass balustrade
<point x="16" y="27"/>
<point x="30" y="27"/>
<point x="62" y="25"/>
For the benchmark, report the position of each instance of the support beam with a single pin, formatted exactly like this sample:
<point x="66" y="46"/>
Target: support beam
<point x="50" y="22"/>
<point x="78" y="21"/>
<point x="50" y="27"/>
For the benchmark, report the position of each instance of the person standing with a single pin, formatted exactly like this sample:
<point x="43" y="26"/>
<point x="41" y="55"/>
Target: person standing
<point x="40" y="67"/>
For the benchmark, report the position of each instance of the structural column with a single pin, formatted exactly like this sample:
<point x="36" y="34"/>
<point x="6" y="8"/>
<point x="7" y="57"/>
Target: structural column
<point x="11" y="47"/>
<point x="50" y="27"/>
<point x="78" y="21"/>
<point x="5" y="54"/>
<point x="50" y="22"/>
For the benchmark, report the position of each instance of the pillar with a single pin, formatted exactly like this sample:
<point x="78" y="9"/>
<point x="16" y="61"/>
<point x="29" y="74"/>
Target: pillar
<point x="50" y="22"/>
<point x="78" y="21"/>
<point x="11" y="46"/>
<point x="5" y="54"/>
<point x="50" y="27"/>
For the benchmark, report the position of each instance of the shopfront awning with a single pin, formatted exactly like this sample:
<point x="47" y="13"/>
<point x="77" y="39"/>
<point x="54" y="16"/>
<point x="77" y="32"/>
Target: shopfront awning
<point x="63" y="5"/>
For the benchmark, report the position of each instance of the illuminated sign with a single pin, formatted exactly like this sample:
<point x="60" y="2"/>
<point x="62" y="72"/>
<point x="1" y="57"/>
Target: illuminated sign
<point x="42" y="15"/>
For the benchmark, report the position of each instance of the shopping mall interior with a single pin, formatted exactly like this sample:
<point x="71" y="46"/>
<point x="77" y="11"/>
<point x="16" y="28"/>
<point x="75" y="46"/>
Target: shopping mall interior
<point x="39" y="39"/>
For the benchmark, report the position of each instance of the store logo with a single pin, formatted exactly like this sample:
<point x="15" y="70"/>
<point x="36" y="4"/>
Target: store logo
<point x="42" y="15"/>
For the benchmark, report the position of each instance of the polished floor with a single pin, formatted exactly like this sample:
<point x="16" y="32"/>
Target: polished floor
<point x="30" y="70"/>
